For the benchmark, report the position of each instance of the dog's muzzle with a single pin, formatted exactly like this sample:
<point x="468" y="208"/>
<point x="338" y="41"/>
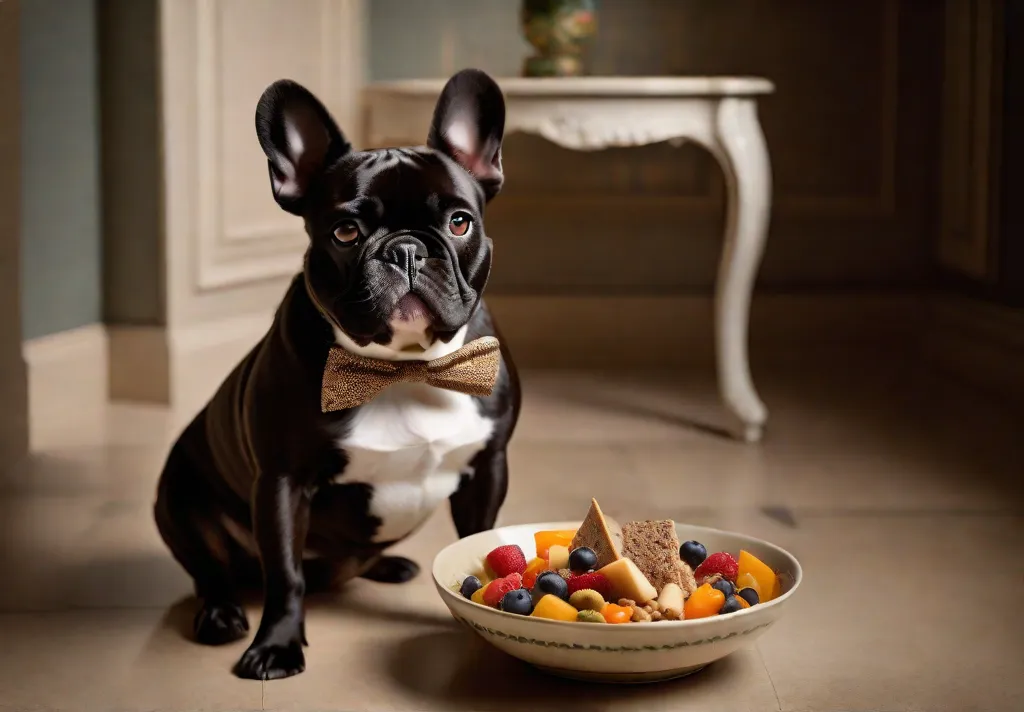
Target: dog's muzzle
<point x="406" y="253"/>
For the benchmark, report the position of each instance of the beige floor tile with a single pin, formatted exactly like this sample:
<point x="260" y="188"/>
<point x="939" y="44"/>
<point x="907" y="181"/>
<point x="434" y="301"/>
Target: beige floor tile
<point x="902" y="613"/>
<point x="573" y="407"/>
<point x="880" y="482"/>
<point x="36" y="537"/>
<point x="549" y="482"/>
<point x="78" y="660"/>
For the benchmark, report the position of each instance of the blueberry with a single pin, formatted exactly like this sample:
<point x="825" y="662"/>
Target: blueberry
<point x="470" y="586"/>
<point x="749" y="595"/>
<point x="550" y="582"/>
<point x="693" y="553"/>
<point x="731" y="605"/>
<point x="582" y="560"/>
<point x="725" y="587"/>
<point x="518" y="601"/>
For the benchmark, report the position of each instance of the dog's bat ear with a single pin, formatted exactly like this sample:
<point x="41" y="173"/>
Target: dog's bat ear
<point x="468" y="126"/>
<point x="299" y="138"/>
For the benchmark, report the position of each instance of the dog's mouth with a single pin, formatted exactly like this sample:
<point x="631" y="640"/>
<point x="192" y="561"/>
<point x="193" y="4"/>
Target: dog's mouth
<point x="411" y="323"/>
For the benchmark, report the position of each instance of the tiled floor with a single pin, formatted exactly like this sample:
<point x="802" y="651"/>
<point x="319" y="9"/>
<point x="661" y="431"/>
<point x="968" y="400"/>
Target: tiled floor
<point x="885" y="482"/>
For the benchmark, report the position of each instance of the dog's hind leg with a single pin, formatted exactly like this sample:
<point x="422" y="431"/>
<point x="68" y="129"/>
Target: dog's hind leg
<point x="198" y="539"/>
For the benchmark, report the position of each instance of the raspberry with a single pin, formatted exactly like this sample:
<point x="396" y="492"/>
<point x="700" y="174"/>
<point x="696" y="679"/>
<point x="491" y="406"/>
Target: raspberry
<point x="505" y="560"/>
<point x="718" y="563"/>
<point x="595" y="581"/>
<point x="497" y="588"/>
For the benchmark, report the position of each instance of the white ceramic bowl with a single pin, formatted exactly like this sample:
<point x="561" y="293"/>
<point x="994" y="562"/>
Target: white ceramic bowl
<point x="638" y="652"/>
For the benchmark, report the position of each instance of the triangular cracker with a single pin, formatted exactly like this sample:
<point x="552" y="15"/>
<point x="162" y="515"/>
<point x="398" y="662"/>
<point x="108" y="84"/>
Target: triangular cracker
<point x="601" y="534"/>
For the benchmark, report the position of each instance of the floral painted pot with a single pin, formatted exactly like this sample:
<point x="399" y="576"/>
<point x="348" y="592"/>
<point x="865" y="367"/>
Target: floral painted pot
<point x="560" y="31"/>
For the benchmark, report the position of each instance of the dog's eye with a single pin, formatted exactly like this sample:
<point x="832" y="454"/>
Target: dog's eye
<point x="346" y="232"/>
<point x="459" y="224"/>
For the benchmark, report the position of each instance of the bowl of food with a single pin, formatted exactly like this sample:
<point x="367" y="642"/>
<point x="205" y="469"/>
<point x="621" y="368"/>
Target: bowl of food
<point x="593" y="600"/>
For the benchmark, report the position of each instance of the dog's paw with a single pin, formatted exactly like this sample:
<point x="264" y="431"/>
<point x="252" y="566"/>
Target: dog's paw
<point x="220" y="623"/>
<point x="271" y="661"/>
<point x="392" y="569"/>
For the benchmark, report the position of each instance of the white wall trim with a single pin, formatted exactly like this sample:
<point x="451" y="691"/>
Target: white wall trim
<point x="85" y="341"/>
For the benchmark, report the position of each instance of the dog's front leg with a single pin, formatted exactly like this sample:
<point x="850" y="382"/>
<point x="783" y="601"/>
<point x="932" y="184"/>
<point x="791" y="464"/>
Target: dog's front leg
<point x="280" y="523"/>
<point x="477" y="501"/>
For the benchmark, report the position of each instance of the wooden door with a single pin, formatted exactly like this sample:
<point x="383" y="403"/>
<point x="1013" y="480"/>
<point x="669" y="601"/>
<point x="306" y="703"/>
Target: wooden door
<point x="968" y="244"/>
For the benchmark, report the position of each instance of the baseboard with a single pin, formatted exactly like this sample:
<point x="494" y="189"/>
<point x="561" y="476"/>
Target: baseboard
<point x="178" y="367"/>
<point x="67" y="367"/>
<point x="139" y="366"/>
<point x="979" y="343"/>
<point x="598" y="332"/>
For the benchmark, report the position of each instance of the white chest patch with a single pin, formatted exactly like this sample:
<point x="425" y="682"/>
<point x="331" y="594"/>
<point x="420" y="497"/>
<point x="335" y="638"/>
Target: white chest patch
<point x="412" y="443"/>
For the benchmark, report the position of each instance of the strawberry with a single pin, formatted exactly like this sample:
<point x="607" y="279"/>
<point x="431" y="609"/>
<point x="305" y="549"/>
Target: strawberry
<point x="505" y="560"/>
<point x="497" y="588"/>
<point x="718" y="563"/>
<point x="595" y="581"/>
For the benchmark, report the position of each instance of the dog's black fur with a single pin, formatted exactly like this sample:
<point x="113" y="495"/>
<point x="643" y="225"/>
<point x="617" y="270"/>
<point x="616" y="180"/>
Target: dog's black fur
<point x="256" y="483"/>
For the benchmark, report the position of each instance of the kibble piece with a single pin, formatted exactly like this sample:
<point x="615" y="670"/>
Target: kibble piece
<point x="656" y="616"/>
<point x="626" y="602"/>
<point x="640" y="615"/>
<point x="710" y="579"/>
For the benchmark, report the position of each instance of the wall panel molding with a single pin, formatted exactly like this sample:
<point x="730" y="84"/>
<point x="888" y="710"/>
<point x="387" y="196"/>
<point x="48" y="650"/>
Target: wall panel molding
<point x="231" y="254"/>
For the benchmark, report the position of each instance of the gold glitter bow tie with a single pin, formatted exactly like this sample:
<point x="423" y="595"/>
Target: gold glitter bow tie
<point x="351" y="380"/>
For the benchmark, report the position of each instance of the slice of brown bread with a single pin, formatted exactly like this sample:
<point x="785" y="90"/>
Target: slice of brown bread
<point x="601" y="534"/>
<point x="654" y="548"/>
<point x="689" y="583"/>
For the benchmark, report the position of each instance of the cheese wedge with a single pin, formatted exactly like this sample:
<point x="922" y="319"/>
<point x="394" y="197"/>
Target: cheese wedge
<point x="627" y="581"/>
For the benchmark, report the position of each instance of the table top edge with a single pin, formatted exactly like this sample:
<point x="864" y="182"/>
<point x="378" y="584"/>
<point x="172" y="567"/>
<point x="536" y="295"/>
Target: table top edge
<point x="600" y="87"/>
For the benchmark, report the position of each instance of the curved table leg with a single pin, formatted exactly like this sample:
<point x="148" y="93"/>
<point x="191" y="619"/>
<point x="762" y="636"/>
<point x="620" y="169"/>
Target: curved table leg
<point x="740" y="148"/>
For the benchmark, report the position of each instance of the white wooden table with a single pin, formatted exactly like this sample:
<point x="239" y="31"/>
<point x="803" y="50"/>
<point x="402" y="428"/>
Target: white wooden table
<point x="591" y="113"/>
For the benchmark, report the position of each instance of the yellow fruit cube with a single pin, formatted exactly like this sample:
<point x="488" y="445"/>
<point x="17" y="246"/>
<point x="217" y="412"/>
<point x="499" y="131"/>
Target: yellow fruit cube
<point x="478" y="596"/>
<point x="554" y="608"/>
<point x="558" y="557"/>
<point x="627" y="581"/>
<point x="767" y="581"/>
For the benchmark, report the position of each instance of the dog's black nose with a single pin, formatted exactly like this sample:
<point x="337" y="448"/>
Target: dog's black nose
<point x="407" y="257"/>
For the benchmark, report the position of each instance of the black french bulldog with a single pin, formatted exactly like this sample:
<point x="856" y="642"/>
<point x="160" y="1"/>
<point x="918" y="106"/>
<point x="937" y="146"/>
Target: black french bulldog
<point x="264" y="488"/>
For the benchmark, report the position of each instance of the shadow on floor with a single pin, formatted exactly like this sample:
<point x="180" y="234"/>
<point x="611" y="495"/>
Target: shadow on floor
<point x="457" y="669"/>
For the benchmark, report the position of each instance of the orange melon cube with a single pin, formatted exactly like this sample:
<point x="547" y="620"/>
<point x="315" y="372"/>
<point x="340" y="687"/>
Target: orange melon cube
<point x="554" y="608"/>
<point x="545" y="540"/>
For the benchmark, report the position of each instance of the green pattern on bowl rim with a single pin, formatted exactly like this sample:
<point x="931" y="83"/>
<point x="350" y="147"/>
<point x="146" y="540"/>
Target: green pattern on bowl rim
<point x="608" y="648"/>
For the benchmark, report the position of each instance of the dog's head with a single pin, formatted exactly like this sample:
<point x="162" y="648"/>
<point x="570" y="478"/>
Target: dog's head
<point x="397" y="254"/>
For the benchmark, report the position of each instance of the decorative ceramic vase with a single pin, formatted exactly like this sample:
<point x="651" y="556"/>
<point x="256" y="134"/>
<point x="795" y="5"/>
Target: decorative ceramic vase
<point x="559" y="31"/>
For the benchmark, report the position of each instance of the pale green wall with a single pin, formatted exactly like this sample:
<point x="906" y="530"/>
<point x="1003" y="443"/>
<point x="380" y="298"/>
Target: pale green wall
<point x="435" y="38"/>
<point x="61" y="252"/>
